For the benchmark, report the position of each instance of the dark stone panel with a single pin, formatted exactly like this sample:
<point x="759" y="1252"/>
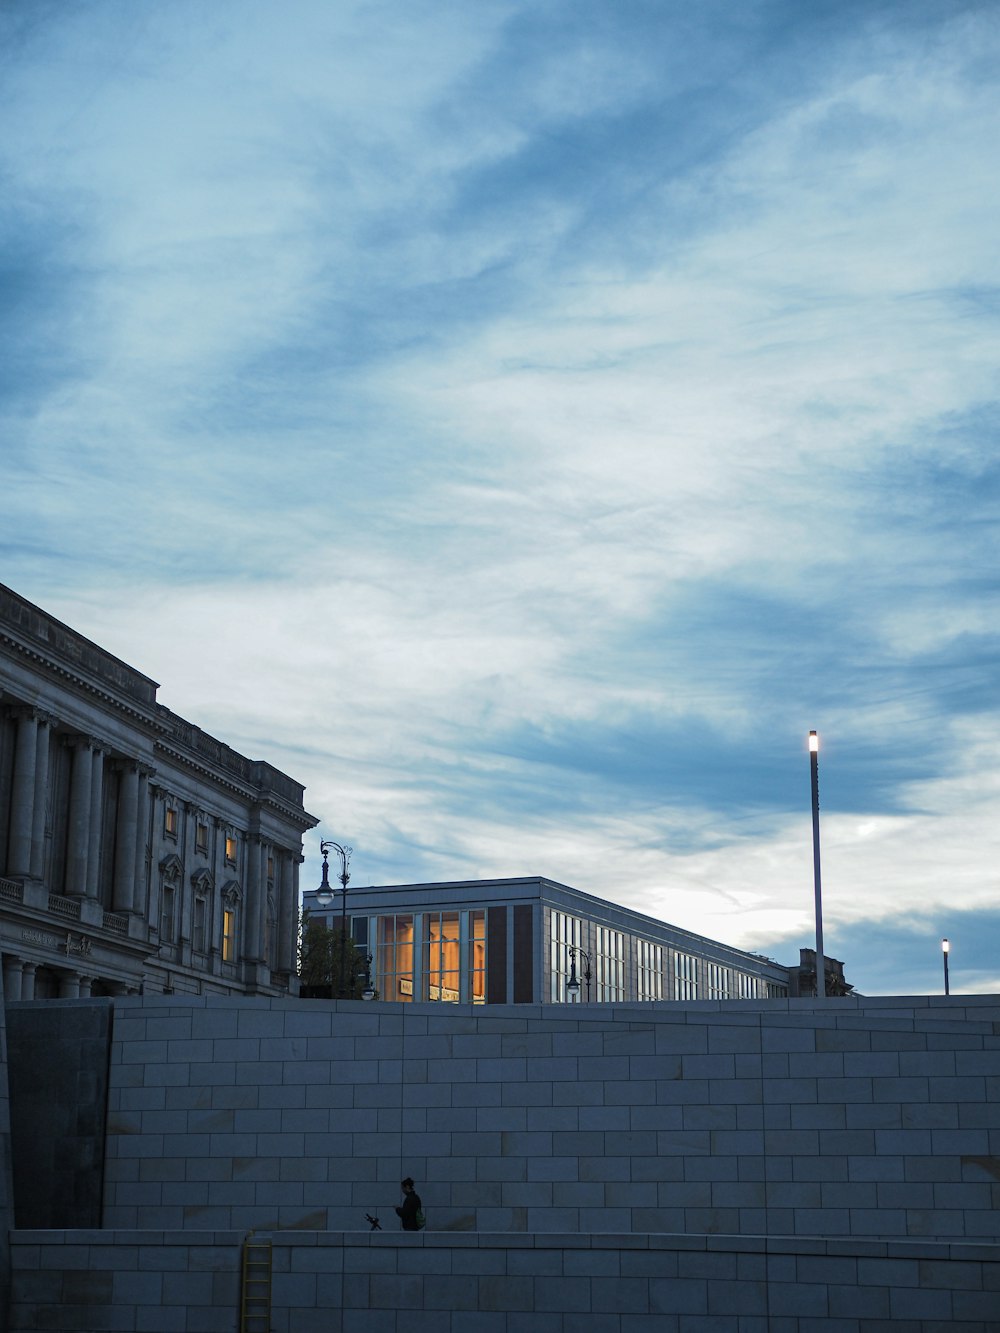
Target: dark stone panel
<point x="59" y="1054"/>
<point x="524" y="954"/>
<point x="496" y="955"/>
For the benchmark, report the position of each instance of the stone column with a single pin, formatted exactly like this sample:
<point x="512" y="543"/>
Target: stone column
<point x="28" y="981"/>
<point x="22" y="795"/>
<point x="127" y="836"/>
<point x="13" y="971"/>
<point x="96" y="821"/>
<point x="41" y="799"/>
<point x="141" y="888"/>
<point x="256" y="901"/>
<point x="69" y="986"/>
<point x="78" y="842"/>
<point x="284" y="954"/>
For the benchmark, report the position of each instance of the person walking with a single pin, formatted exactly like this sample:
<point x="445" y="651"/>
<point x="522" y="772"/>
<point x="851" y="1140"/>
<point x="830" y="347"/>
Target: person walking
<point x="410" y="1212"/>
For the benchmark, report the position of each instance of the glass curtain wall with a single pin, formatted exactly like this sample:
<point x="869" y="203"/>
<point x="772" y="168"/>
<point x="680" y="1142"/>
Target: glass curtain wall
<point x="564" y="931"/>
<point x="394" y="963"/>
<point x="610" y="965"/>
<point x="649" y="959"/>
<point x="442" y="976"/>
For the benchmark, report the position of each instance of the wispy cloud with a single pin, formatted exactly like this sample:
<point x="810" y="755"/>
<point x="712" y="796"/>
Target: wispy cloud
<point x="524" y="423"/>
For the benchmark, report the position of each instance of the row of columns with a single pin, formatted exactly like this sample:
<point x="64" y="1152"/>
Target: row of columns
<point x="19" y="981"/>
<point x="29" y="789"/>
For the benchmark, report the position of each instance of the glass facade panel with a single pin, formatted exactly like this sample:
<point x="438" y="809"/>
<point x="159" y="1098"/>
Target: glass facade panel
<point x="610" y="964"/>
<point x="442" y="977"/>
<point x="394" y="961"/>
<point x="649" y="958"/>
<point x="717" y="980"/>
<point x="685" y="976"/>
<point x="564" y="931"/>
<point x="477" y="957"/>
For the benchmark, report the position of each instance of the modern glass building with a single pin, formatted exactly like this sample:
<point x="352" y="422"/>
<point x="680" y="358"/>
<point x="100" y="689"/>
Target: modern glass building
<point x="534" y="941"/>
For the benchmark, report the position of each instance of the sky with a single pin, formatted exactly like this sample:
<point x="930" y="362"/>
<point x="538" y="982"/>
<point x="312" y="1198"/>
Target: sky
<point x="524" y="421"/>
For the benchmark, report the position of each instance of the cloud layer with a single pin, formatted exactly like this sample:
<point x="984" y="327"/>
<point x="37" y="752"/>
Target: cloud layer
<point x="524" y="424"/>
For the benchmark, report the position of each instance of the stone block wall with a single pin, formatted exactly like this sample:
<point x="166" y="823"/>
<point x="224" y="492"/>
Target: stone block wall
<point x="849" y="1118"/>
<point x="189" y="1282"/>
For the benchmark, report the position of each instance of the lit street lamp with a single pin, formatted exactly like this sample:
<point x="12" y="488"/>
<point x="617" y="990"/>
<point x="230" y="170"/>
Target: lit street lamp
<point x="945" y="951"/>
<point x="324" y="899"/>
<point x="573" y="985"/>
<point x="820" y="957"/>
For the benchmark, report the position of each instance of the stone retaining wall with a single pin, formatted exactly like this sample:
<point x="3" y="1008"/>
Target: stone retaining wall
<point x="863" y="1118"/>
<point x="188" y="1282"/>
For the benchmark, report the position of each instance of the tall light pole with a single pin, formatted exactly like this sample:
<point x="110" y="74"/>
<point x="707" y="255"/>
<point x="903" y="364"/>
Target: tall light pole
<point x="945" y="951"/>
<point x="324" y="897"/>
<point x="817" y="889"/>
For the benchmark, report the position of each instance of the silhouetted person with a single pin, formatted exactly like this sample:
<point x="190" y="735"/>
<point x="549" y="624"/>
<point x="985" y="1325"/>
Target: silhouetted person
<point x="410" y="1211"/>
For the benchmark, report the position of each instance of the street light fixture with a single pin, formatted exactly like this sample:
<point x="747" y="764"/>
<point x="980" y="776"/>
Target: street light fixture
<point x="324" y="899"/>
<point x="573" y="985"/>
<point x="817" y="890"/>
<point x="945" y="951"/>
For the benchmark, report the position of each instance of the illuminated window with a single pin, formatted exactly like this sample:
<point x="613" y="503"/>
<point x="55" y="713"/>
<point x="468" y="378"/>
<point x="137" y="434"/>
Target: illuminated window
<point x="170" y="821"/>
<point x="270" y="866"/>
<point x="649" y="960"/>
<point x="442" y="977"/>
<point x="564" y="931"/>
<point x="477" y="957"/>
<point x="394" y="958"/>
<point x="229" y="934"/>
<point x="201" y="837"/>
<point x="231" y="849"/>
<point x="685" y="976"/>
<point x="610" y="964"/>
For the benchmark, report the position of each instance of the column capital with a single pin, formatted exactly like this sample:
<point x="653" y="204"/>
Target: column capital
<point x="79" y="741"/>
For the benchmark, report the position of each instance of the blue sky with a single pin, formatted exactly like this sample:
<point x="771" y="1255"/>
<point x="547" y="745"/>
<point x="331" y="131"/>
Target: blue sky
<point x="523" y="422"/>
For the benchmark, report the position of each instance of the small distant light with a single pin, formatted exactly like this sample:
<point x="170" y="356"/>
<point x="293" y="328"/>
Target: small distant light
<point x="945" y="946"/>
<point x="813" y="743"/>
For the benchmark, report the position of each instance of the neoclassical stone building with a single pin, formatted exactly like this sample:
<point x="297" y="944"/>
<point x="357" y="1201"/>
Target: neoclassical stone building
<point x="137" y="853"/>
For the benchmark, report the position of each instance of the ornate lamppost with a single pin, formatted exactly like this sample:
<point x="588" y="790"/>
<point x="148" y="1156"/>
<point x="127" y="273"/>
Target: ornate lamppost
<point x="324" y="899"/>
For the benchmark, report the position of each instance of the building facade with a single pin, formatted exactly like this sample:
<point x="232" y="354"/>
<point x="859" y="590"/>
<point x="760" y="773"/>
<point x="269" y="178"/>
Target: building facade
<point x="533" y="941"/>
<point x="136" y="851"/>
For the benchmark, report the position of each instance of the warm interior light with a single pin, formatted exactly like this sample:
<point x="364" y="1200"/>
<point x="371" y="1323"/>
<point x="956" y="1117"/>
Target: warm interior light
<point x="945" y="946"/>
<point x="813" y="743"/>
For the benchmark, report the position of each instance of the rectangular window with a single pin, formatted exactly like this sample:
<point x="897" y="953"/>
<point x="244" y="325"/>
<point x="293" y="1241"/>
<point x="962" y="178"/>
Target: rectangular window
<point x="717" y="980"/>
<point x="200" y="926"/>
<point x="170" y="821"/>
<point x="649" y="959"/>
<point x="565" y="932"/>
<point x="394" y="958"/>
<point x="685" y="976"/>
<point x="229" y="935"/>
<point x="610" y="964"/>
<point x="167" y="914"/>
<point x="359" y="931"/>
<point x="231" y="850"/>
<point x="477" y="957"/>
<point x="270" y="867"/>
<point x="746" y="986"/>
<point x="201" y="837"/>
<point x="442" y="978"/>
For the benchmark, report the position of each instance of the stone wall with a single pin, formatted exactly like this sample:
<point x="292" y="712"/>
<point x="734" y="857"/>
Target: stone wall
<point x="849" y="1118"/>
<point x="547" y="1283"/>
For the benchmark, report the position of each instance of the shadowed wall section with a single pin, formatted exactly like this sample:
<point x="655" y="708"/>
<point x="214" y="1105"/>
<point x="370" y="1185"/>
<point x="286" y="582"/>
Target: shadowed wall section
<point x="59" y="1057"/>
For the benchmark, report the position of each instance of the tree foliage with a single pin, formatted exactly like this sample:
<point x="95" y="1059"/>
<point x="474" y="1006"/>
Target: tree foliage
<point x="330" y="964"/>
